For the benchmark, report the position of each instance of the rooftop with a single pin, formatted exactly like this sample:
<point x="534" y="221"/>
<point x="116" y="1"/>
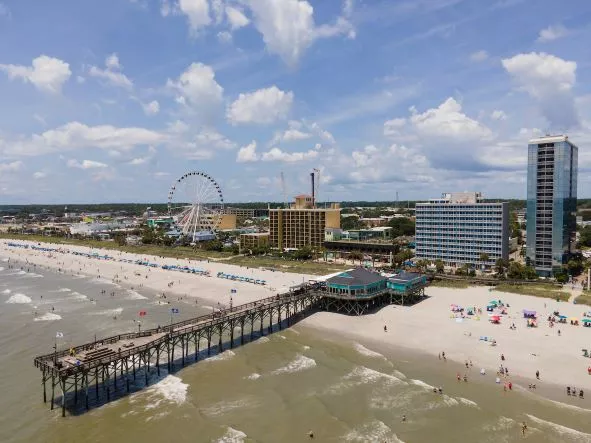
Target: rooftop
<point x="404" y="277"/>
<point x="549" y="139"/>
<point x="355" y="277"/>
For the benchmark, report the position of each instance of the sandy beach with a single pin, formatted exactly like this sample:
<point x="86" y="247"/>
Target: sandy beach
<point x="428" y="327"/>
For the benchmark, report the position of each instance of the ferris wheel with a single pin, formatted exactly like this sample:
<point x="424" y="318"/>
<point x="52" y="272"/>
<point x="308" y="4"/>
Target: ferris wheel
<point x="196" y="203"/>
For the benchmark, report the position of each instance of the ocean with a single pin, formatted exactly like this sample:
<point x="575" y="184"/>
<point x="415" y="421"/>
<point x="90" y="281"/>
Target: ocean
<point x="279" y="388"/>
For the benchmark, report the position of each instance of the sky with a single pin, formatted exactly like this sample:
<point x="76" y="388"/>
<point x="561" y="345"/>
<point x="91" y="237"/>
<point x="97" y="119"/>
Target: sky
<point x="114" y="100"/>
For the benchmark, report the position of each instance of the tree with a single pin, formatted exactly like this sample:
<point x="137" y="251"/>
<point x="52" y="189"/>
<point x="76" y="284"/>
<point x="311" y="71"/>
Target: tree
<point x="402" y="226"/>
<point x="575" y="267"/>
<point x="500" y="266"/>
<point x="483" y="257"/>
<point x="439" y="266"/>
<point x="348" y="223"/>
<point x="516" y="271"/>
<point x="120" y="238"/>
<point x="422" y="265"/>
<point x="304" y="253"/>
<point x="213" y="245"/>
<point x="585" y="236"/>
<point x="530" y="273"/>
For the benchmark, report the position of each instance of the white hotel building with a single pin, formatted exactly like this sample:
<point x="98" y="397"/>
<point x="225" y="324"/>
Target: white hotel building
<point x="458" y="227"/>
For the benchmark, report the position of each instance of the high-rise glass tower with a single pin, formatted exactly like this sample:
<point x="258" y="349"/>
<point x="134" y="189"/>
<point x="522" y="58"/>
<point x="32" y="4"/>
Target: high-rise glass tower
<point x="552" y="167"/>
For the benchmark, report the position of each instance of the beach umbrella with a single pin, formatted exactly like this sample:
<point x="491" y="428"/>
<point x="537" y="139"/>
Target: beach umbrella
<point x="495" y="318"/>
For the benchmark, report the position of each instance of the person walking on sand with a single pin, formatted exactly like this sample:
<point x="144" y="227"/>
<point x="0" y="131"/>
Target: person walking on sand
<point x="523" y="429"/>
<point x="443" y="356"/>
<point x="538" y="375"/>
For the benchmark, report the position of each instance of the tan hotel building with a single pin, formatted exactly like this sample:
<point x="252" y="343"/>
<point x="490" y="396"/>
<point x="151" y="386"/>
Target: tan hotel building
<point x="302" y="224"/>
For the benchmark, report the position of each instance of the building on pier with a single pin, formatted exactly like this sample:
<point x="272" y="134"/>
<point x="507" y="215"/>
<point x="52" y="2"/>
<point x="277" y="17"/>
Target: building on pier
<point x="359" y="290"/>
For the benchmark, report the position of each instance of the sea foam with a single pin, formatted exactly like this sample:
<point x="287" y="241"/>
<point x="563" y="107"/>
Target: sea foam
<point x="19" y="299"/>
<point x="49" y="316"/>
<point x="300" y="363"/>
<point x="367" y="352"/>
<point x="373" y="431"/>
<point x="232" y="436"/>
<point x="226" y="355"/>
<point x="6" y="291"/>
<point x="563" y="431"/>
<point x="170" y="389"/>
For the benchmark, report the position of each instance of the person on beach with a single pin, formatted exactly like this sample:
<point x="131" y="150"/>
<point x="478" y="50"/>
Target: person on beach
<point x="523" y="429"/>
<point x="385" y="328"/>
<point x="443" y="356"/>
<point x="403" y="418"/>
<point x="581" y="394"/>
<point x="502" y="357"/>
<point x="538" y="375"/>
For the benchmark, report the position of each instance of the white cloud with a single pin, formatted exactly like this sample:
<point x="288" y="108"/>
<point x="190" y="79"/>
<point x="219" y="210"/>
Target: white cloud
<point x="392" y="127"/>
<point x="217" y="8"/>
<point x="295" y="135"/>
<point x="198" y="89"/>
<point x="75" y="135"/>
<point x="196" y="11"/>
<point x="276" y="154"/>
<point x="11" y="167"/>
<point x="161" y="174"/>
<point x="479" y="56"/>
<point x="80" y="79"/>
<point x="348" y="6"/>
<point x="552" y="33"/>
<point x="39" y="175"/>
<point x="448" y="120"/>
<point x="40" y="119"/>
<point x="549" y="80"/>
<point x="112" y="73"/>
<point x="236" y="17"/>
<point x="213" y="139"/>
<point x="247" y="153"/>
<point x="288" y="27"/>
<point x="151" y="108"/>
<point x="224" y="37"/>
<point x="262" y="106"/>
<point x="85" y="164"/>
<point x="498" y="115"/>
<point x="395" y="163"/>
<point x="47" y="74"/>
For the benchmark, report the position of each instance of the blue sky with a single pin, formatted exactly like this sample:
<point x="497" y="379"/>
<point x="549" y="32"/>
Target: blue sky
<point x="112" y="100"/>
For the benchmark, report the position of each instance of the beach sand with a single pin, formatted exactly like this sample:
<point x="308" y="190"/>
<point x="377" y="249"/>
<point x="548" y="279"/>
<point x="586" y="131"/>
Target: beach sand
<point x="425" y="327"/>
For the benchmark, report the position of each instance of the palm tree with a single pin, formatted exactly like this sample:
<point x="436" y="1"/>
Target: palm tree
<point x="483" y="259"/>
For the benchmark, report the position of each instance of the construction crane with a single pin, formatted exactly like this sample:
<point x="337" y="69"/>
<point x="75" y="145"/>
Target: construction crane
<point x="317" y="185"/>
<point x="284" y="190"/>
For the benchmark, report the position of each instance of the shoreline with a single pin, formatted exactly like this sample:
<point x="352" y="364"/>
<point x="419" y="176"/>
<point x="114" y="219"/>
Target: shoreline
<point x="427" y="328"/>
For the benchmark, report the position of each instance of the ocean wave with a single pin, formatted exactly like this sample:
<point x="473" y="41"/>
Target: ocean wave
<point x="502" y="424"/>
<point x="262" y="340"/>
<point x="62" y="290"/>
<point x="2" y="268"/>
<point x="49" y="316"/>
<point x="223" y="407"/>
<point x="78" y="296"/>
<point x="232" y="436"/>
<point x="109" y="312"/>
<point x="19" y="299"/>
<point x="305" y="348"/>
<point x="422" y="384"/>
<point x="170" y="389"/>
<point x="367" y="352"/>
<point x="563" y="431"/>
<point x="360" y="375"/>
<point x="373" y="431"/>
<point x="6" y="291"/>
<point x="134" y="295"/>
<point x="398" y="374"/>
<point x="226" y="355"/>
<point x="300" y="363"/>
<point x="253" y="376"/>
<point x="388" y="401"/>
<point x="467" y="402"/>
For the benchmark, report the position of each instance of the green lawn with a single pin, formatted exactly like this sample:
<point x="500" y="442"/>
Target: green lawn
<point x="459" y="284"/>
<point x="534" y="290"/>
<point x="584" y="299"/>
<point x="279" y="264"/>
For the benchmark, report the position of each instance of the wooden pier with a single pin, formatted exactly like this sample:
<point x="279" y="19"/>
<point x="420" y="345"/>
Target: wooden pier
<point x="104" y="369"/>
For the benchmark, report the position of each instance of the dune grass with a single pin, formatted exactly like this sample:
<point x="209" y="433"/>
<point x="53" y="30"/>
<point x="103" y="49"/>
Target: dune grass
<point x="544" y="291"/>
<point x="458" y="284"/>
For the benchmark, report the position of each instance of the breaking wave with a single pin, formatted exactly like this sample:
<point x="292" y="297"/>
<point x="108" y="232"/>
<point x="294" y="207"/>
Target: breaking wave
<point x="367" y="352"/>
<point x="232" y="436"/>
<point x="19" y="299"/>
<point x="300" y="363"/>
<point x="563" y="431"/>
<point x="49" y="316"/>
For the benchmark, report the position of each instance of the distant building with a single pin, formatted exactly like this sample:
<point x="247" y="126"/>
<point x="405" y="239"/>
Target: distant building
<point x="459" y="227"/>
<point x="254" y="240"/>
<point x="552" y="170"/>
<point x="382" y="233"/>
<point x="246" y="212"/>
<point x="302" y="224"/>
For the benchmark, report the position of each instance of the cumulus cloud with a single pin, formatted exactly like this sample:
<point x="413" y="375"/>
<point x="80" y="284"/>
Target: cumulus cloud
<point x="498" y="115"/>
<point x="151" y="108"/>
<point x="224" y="37"/>
<point x="276" y="154"/>
<point x="392" y="127"/>
<point x="552" y="33"/>
<point x="198" y="89"/>
<point x="288" y="27"/>
<point x="11" y="167"/>
<point x="448" y="121"/>
<point x="196" y="11"/>
<point x="263" y="106"/>
<point x="549" y="80"/>
<point x="479" y="56"/>
<point x="39" y="175"/>
<point x="111" y="73"/>
<point x="85" y="164"/>
<point x="236" y="17"/>
<point x="47" y="74"/>
<point x="76" y="135"/>
<point x="248" y="153"/>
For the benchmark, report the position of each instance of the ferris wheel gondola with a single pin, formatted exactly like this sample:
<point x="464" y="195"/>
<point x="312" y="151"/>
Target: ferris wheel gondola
<point x="196" y="203"/>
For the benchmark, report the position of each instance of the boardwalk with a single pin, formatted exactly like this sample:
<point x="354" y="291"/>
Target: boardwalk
<point x="102" y="363"/>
